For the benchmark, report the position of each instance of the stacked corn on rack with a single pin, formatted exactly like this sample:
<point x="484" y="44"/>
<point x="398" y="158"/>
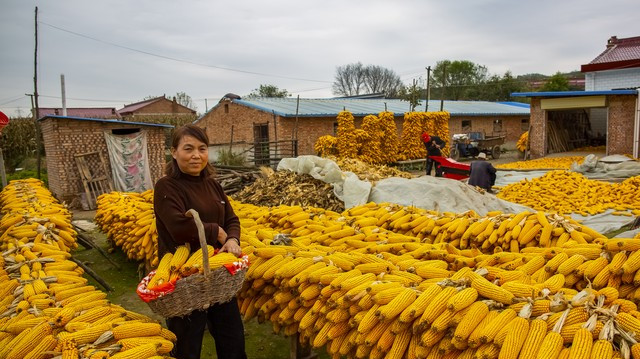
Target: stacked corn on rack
<point x="377" y="141"/>
<point x="398" y="282"/>
<point x="567" y="192"/>
<point x="129" y="222"/>
<point x="543" y="163"/>
<point x="415" y="123"/>
<point x="46" y="307"/>
<point x="523" y="142"/>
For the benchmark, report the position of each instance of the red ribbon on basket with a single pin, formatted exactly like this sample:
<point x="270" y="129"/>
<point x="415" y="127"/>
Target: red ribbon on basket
<point x="148" y="295"/>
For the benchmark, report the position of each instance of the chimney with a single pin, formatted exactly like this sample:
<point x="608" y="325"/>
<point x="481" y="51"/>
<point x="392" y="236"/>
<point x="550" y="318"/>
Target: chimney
<point x="612" y="41"/>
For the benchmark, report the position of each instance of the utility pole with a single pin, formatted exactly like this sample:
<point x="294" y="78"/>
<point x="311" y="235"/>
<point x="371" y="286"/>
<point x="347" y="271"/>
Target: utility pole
<point x="35" y="95"/>
<point x="428" y="88"/>
<point x="444" y="85"/>
<point x="206" y="107"/>
<point x="64" y="95"/>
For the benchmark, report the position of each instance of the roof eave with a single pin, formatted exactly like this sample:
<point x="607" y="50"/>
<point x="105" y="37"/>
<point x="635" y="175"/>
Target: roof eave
<point x="615" y="65"/>
<point x="106" y="120"/>
<point x="574" y="93"/>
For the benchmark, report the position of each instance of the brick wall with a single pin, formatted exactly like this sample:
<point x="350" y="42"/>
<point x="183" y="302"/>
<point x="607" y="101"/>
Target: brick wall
<point x="612" y="79"/>
<point x="63" y="138"/>
<point x="620" y="127"/>
<point x="538" y="134"/>
<point x="512" y="127"/>
<point x="218" y="121"/>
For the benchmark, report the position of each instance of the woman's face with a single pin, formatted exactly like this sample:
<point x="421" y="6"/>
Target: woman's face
<point x="191" y="155"/>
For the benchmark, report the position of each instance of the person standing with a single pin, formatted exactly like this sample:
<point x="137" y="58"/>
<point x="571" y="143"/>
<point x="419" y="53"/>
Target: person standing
<point x="483" y="174"/>
<point x="189" y="183"/>
<point x="433" y="144"/>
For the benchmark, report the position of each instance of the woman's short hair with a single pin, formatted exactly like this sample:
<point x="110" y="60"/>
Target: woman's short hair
<point x="171" y="168"/>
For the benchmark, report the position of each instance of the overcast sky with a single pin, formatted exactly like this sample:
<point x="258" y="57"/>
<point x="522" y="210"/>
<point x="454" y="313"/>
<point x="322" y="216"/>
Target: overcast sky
<point x="118" y="52"/>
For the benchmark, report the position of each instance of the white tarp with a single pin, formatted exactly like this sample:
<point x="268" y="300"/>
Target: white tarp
<point x="346" y="185"/>
<point x="129" y="161"/>
<point x="439" y="194"/>
<point x="628" y="234"/>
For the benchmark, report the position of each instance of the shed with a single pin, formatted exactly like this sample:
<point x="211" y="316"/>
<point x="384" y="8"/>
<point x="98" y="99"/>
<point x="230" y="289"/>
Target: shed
<point x="66" y="137"/>
<point x="86" y="112"/>
<point x="607" y="113"/>
<point x="242" y="123"/>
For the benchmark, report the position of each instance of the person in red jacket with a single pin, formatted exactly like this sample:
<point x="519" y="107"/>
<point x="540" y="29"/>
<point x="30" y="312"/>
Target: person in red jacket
<point x="189" y="183"/>
<point x="433" y="144"/>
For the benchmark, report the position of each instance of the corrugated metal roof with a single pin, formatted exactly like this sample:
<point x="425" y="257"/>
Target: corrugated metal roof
<point x="117" y="122"/>
<point x="286" y="107"/>
<point x="138" y="105"/>
<point x="574" y="93"/>
<point x="86" y="112"/>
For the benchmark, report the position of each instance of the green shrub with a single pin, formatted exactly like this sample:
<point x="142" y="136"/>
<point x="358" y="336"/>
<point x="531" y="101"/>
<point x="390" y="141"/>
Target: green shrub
<point x="229" y="158"/>
<point x="28" y="174"/>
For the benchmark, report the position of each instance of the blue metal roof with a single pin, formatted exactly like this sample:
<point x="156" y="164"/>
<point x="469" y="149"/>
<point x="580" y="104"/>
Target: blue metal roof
<point x="286" y="107"/>
<point x="574" y="93"/>
<point x="117" y="122"/>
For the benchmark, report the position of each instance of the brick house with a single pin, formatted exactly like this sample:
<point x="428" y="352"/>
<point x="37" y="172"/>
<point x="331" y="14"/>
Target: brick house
<point x="155" y="107"/>
<point x="607" y="113"/>
<point x="241" y="123"/>
<point x="65" y="137"/>
<point x="86" y="112"/>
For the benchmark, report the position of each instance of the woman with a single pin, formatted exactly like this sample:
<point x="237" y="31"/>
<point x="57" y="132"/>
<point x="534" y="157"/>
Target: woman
<point x="189" y="183"/>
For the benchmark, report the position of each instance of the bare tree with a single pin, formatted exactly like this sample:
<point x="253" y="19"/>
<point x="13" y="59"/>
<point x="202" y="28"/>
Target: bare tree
<point x="382" y="80"/>
<point x="349" y="80"/>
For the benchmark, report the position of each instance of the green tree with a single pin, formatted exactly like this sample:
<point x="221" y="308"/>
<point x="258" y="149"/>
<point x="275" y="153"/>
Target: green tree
<point x="268" y="91"/>
<point x="499" y="88"/>
<point x="460" y="78"/>
<point x="412" y="94"/>
<point x="557" y="82"/>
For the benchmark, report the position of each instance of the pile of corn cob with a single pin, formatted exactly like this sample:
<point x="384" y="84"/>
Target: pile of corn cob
<point x="362" y="284"/>
<point x="571" y="192"/>
<point x="415" y="123"/>
<point x="46" y="307"/>
<point x="369" y="172"/>
<point x="543" y="163"/>
<point x="371" y="146"/>
<point x="181" y="264"/>
<point x="523" y="142"/>
<point x="129" y="222"/>
<point x="389" y="143"/>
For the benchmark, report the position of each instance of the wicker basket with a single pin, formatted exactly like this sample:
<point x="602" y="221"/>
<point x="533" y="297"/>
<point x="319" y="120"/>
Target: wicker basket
<point x="201" y="290"/>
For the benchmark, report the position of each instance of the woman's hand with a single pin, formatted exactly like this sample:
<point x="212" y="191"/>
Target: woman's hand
<point x="231" y="246"/>
<point x="222" y="235"/>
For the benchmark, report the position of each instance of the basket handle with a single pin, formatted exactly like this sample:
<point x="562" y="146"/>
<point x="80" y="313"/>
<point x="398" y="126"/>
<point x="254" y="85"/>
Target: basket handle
<point x="203" y="240"/>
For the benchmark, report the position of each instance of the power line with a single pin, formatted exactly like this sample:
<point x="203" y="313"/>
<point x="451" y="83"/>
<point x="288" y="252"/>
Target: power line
<point x="179" y="60"/>
<point x="14" y="100"/>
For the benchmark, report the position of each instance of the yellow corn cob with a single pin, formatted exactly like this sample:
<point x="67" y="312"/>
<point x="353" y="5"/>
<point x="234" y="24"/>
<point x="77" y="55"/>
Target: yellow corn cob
<point x="490" y="290"/>
<point x="142" y="351"/>
<point x="474" y="318"/>
<point x="516" y="335"/>
<point x="129" y="343"/>
<point x="87" y="335"/>
<point x="180" y="256"/>
<point x="492" y="328"/>
<point x="35" y="336"/>
<point x="582" y="343"/>
<point x="535" y="336"/>
<point x="397" y="305"/>
<point x="48" y="343"/>
<point x="602" y="349"/>
<point x="462" y="299"/>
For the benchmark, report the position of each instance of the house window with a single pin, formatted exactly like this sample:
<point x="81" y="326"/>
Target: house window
<point x="335" y="128"/>
<point x="466" y="125"/>
<point x="226" y="108"/>
<point x="497" y="126"/>
<point x="524" y="124"/>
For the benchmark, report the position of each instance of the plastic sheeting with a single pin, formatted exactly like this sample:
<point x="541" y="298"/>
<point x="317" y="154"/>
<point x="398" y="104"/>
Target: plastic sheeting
<point x="129" y="161"/>
<point x="346" y="185"/>
<point x="608" y="167"/>
<point x="440" y="194"/>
